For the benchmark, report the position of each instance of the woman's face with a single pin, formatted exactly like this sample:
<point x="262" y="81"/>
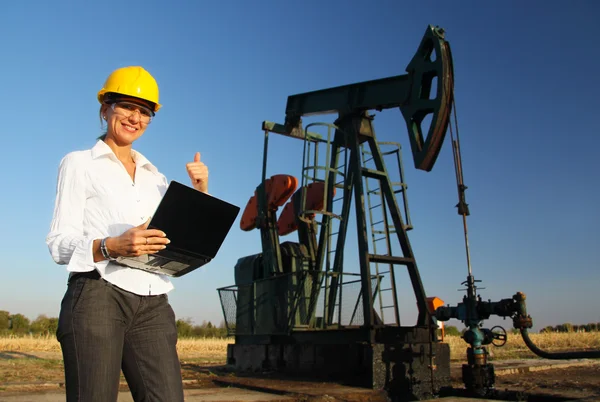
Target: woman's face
<point x="127" y="120"/>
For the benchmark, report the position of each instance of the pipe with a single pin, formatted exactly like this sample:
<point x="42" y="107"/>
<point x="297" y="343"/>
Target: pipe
<point x="592" y="354"/>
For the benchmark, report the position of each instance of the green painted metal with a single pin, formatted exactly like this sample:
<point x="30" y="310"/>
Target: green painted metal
<point x="380" y="226"/>
<point x="293" y="132"/>
<point x="423" y="69"/>
<point x="411" y="93"/>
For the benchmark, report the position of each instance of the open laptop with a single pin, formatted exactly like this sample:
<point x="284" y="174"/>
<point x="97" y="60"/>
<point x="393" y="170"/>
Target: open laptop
<point x="195" y="222"/>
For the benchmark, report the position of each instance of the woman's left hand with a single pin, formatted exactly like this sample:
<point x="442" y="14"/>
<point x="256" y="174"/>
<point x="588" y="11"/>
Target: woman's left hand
<point x="198" y="173"/>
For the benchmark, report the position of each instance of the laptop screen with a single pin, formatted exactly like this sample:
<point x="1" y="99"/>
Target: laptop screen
<point x="194" y="221"/>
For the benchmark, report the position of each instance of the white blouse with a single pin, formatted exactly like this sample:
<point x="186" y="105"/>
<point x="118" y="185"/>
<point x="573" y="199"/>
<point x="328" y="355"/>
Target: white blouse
<point x="96" y="198"/>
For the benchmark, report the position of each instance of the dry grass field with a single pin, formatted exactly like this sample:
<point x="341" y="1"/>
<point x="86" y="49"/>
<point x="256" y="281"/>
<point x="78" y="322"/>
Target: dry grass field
<point x="515" y="348"/>
<point x="215" y="349"/>
<point x="190" y="348"/>
<point x="26" y="361"/>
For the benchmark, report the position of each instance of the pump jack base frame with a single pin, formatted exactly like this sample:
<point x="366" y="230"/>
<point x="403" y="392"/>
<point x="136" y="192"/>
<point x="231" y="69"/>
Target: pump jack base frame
<point x="413" y="369"/>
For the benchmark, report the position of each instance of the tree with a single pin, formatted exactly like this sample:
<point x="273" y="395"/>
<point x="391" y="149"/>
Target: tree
<point x="184" y="327"/>
<point x="451" y="330"/>
<point x="44" y="325"/>
<point x="4" y="322"/>
<point x="566" y="327"/>
<point x="53" y="325"/>
<point x="19" y="324"/>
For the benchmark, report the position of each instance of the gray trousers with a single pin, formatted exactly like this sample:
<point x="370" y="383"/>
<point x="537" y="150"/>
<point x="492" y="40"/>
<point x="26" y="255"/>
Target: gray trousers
<point x="103" y="329"/>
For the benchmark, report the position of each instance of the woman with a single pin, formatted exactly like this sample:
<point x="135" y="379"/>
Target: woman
<point x="113" y="317"/>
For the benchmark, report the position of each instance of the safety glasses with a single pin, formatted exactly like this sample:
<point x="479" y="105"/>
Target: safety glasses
<point x="127" y="109"/>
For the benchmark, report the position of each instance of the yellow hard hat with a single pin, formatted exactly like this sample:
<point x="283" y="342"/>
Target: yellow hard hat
<point x="132" y="81"/>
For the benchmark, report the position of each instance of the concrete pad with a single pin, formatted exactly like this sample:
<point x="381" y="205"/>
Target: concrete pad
<point x="211" y="394"/>
<point x="506" y="367"/>
<point x="519" y="366"/>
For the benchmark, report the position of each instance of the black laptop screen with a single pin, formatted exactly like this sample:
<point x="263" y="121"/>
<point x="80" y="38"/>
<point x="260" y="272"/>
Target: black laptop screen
<point x="194" y="221"/>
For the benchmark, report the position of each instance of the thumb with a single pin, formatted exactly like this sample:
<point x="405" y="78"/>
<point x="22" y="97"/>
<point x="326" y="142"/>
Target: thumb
<point x="144" y="225"/>
<point x="197" y="157"/>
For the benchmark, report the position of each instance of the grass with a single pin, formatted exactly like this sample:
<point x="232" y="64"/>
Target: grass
<point x="515" y="348"/>
<point x="188" y="348"/>
<point x="216" y="348"/>
<point x="39" y="359"/>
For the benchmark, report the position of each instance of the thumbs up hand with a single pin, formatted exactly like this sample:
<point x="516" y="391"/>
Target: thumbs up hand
<point x="198" y="173"/>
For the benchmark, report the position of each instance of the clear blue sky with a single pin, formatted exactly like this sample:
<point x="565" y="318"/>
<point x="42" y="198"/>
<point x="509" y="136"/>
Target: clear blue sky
<point x="526" y="91"/>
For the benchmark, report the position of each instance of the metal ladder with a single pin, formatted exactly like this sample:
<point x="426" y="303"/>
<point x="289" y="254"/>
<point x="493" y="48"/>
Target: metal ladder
<point x="379" y="223"/>
<point x="310" y="174"/>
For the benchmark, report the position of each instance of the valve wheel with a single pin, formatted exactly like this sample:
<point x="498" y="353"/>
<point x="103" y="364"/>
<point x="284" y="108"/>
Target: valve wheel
<point x="501" y="336"/>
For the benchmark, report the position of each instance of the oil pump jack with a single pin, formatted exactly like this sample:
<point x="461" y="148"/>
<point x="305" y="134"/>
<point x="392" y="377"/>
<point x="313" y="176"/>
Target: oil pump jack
<point x="294" y="307"/>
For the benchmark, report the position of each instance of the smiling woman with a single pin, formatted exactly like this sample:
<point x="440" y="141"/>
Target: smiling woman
<point x="114" y="317"/>
<point x="126" y="90"/>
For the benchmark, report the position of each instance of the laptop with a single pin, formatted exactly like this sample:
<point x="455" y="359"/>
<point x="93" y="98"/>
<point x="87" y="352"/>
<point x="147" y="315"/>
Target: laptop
<point x="195" y="222"/>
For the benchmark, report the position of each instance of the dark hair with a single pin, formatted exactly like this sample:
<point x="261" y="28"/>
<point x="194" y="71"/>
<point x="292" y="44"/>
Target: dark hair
<point x="103" y="136"/>
<point x="112" y="97"/>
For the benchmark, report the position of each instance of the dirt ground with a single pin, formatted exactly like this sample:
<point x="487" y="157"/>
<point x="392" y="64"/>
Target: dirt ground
<point x="18" y="375"/>
<point x="556" y="384"/>
<point x="550" y="385"/>
<point x="572" y="383"/>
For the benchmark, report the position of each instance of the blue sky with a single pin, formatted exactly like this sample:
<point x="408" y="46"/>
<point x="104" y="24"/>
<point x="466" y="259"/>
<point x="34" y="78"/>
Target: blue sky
<point x="525" y="87"/>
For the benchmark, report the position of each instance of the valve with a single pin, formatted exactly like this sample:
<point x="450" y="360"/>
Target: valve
<point x="502" y="336"/>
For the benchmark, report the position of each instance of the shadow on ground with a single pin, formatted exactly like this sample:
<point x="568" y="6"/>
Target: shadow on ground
<point x="8" y="355"/>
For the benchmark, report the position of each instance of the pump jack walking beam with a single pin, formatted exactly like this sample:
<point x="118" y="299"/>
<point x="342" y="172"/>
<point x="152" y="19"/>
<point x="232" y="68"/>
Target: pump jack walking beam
<point x="410" y="92"/>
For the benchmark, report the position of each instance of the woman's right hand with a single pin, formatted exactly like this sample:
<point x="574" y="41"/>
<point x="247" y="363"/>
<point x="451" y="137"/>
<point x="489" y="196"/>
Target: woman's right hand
<point x="137" y="241"/>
